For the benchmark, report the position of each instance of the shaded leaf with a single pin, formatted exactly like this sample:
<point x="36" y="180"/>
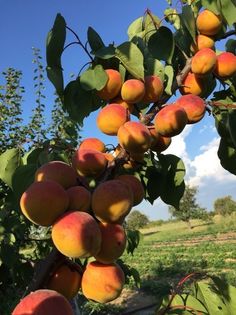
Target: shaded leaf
<point x="80" y="103"/>
<point x="228" y="10"/>
<point x="54" y="48"/>
<point x="106" y="52"/>
<point x="154" y="66"/>
<point x="211" y="5"/>
<point x="94" y="39"/>
<point x="188" y="20"/>
<point x="9" y="161"/>
<point x="169" y="72"/>
<point x="93" y="78"/>
<point x="132" y="59"/>
<point x="161" y="44"/>
<point x="231" y="124"/>
<point x="227" y="155"/>
<point x="22" y="178"/>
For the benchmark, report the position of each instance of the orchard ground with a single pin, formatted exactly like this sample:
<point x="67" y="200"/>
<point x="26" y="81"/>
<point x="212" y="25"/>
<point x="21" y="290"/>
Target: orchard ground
<point x="170" y="251"/>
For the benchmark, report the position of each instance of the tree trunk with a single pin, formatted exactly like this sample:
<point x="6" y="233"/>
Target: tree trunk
<point x="189" y="224"/>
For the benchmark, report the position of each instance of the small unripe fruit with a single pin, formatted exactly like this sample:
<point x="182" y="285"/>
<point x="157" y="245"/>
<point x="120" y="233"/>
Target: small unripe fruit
<point x="132" y="91"/>
<point x="134" y="137"/>
<point x="194" y="106"/>
<point x="208" y="23"/>
<point x="113" y="85"/>
<point x="203" y="62"/>
<point x="102" y="283"/>
<point x="76" y="234"/>
<point x="111" y="117"/>
<point x="43" y="202"/>
<point x="170" y="120"/>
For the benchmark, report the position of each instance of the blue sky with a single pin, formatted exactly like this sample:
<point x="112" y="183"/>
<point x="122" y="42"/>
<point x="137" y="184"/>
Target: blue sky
<point x="24" y="24"/>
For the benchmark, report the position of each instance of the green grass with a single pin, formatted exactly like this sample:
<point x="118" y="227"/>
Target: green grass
<point x="169" y="252"/>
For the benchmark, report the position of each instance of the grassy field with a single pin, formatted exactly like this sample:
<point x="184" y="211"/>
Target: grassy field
<point x="169" y="252"/>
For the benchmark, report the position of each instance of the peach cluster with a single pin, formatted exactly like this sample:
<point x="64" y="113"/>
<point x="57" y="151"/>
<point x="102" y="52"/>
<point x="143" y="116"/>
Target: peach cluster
<point x="206" y="64"/>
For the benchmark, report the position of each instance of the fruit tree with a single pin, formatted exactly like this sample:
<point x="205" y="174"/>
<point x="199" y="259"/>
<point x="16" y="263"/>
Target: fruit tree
<point x="145" y="91"/>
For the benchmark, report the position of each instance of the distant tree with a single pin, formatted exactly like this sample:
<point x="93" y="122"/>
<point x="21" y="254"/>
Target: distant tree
<point x="136" y="220"/>
<point x="188" y="207"/>
<point x="225" y="205"/>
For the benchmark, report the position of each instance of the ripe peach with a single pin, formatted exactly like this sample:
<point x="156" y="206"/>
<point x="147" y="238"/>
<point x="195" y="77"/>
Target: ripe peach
<point x="135" y="185"/>
<point x="124" y="104"/>
<point x="55" y="171"/>
<point x="93" y="143"/>
<point x="202" y="41"/>
<point x="208" y="23"/>
<point x="194" y="107"/>
<point x="192" y="85"/>
<point x="159" y="143"/>
<point x="132" y="91"/>
<point x="153" y="89"/>
<point x="102" y="283"/>
<point x="170" y="120"/>
<point x="79" y="198"/>
<point x="43" y="202"/>
<point x="203" y="62"/>
<point x="113" y="85"/>
<point x="66" y="280"/>
<point x="225" y="65"/>
<point x="111" y="117"/>
<point x="113" y="243"/>
<point x="76" y="234"/>
<point x="134" y="137"/>
<point x="111" y="201"/>
<point x="43" y="302"/>
<point x="89" y="162"/>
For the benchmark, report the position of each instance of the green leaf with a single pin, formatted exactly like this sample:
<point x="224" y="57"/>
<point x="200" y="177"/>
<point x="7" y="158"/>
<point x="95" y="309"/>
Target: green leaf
<point x="32" y="156"/>
<point x="231" y="123"/>
<point x="188" y="19"/>
<point x="9" y="161"/>
<point x="106" y="52"/>
<point x="211" y="300"/>
<point x="54" y="48"/>
<point x="211" y="5"/>
<point x="169" y="72"/>
<point x="173" y="187"/>
<point x="161" y="44"/>
<point x="227" y="155"/>
<point x="135" y="27"/>
<point x="151" y="24"/>
<point x="189" y="300"/>
<point x="132" y="59"/>
<point x="133" y="238"/>
<point x="154" y="66"/>
<point x="80" y="103"/>
<point x="22" y="178"/>
<point x="94" y="40"/>
<point x="154" y="183"/>
<point x="231" y="46"/>
<point x="228" y="10"/>
<point x="93" y="78"/>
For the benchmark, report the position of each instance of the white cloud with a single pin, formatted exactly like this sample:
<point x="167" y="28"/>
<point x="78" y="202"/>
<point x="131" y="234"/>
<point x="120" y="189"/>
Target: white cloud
<point x="207" y="166"/>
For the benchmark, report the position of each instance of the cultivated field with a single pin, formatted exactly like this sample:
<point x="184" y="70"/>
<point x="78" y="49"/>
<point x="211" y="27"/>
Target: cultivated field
<point x="169" y="252"/>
